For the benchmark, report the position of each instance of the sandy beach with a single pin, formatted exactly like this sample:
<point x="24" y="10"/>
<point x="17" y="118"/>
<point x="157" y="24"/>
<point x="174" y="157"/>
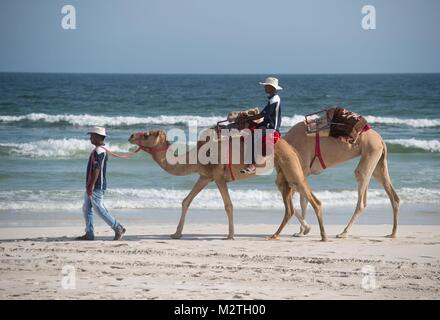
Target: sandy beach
<point x="144" y="112"/>
<point x="147" y="264"/>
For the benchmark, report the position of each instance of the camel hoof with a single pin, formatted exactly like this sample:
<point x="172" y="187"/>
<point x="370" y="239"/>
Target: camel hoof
<point x="341" y="236"/>
<point x="324" y="239"/>
<point x="273" y="237"/>
<point x="298" y="235"/>
<point x="391" y="236"/>
<point x="308" y="228"/>
<point x="176" y="236"/>
<point x="229" y="238"/>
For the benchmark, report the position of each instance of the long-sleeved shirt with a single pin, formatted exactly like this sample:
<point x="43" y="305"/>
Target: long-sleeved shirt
<point x="98" y="160"/>
<point x="272" y="113"/>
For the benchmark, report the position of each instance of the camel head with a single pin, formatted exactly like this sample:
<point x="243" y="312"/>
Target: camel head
<point x="148" y="139"/>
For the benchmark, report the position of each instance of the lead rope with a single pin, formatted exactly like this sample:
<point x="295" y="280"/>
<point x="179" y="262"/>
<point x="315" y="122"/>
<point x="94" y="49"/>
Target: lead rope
<point x="121" y="156"/>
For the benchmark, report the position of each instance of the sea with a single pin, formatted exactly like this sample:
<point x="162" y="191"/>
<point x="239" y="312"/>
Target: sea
<point x="44" y="146"/>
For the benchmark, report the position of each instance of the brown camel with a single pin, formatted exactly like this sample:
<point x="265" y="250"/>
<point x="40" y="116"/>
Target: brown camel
<point x="373" y="161"/>
<point x="287" y="164"/>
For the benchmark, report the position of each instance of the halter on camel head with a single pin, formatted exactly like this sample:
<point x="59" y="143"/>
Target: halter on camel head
<point x="137" y="140"/>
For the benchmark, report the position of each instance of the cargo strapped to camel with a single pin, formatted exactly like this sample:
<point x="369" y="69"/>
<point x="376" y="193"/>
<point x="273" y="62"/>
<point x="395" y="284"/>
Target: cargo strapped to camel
<point x="237" y="119"/>
<point x="336" y="122"/>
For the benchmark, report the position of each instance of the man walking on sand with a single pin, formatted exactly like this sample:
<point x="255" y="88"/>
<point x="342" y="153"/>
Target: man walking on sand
<point x="96" y="184"/>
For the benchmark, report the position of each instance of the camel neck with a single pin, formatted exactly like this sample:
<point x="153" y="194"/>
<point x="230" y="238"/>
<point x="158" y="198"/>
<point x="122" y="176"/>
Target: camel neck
<point x="176" y="169"/>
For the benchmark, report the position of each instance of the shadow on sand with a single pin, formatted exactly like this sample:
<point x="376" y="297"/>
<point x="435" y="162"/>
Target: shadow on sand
<point x="163" y="237"/>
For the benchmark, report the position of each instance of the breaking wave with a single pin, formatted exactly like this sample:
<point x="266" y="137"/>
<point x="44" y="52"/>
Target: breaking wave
<point x="415" y="123"/>
<point x="76" y="148"/>
<point x="204" y="121"/>
<point x="408" y="145"/>
<point x="117" y="121"/>
<point x="55" y="148"/>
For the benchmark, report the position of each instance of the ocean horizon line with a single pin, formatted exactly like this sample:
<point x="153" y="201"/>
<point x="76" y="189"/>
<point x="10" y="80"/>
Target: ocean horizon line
<point x="221" y="73"/>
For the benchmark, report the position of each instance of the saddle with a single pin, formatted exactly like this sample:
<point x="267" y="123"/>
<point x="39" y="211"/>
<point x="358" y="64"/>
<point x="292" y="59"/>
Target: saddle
<point x="236" y="120"/>
<point x="240" y="120"/>
<point x="336" y="122"/>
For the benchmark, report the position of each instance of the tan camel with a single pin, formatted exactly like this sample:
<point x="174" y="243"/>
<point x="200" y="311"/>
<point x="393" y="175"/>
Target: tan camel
<point x="287" y="164"/>
<point x="373" y="161"/>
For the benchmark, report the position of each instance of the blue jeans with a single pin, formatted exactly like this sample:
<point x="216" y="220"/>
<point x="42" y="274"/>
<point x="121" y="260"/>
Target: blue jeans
<point x="96" y="203"/>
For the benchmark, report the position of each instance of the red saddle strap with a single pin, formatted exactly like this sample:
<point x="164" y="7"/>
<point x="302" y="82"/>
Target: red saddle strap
<point x="318" y="152"/>
<point x="230" y="161"/>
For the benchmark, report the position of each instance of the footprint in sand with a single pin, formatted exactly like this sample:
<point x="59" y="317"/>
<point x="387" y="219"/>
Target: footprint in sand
<point x="120" y="245"/>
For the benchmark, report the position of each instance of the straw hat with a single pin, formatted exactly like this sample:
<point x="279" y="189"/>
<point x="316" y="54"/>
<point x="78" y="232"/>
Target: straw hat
<point x="98" y="130"/>
<point x="270" y="81"/>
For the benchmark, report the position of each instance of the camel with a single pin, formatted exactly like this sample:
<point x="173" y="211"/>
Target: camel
<point x="286" y="161"/>
<point x="373" y="162"/>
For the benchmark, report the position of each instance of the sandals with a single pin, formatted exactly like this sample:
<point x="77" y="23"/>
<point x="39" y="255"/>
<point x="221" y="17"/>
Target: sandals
<point x="248" y="170"/>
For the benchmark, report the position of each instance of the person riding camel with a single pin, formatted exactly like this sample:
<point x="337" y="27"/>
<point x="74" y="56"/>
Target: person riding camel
<point x="271" y="115"/>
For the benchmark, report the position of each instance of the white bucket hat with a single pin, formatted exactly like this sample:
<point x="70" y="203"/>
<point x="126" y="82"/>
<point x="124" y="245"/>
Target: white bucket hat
<point x="270" y="81"/>
<point x="98" y="130"/>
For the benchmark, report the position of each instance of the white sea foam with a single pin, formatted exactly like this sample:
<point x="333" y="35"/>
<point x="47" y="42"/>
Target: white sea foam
<point x="91" y="120"/>
<point x="427" y="145"/>
<point x="57" y="148"/>
<point x="67" y="148"/>
<point x="204" y="121"/>
<point x="207" y="199"/>
<point x="416" y="123"/>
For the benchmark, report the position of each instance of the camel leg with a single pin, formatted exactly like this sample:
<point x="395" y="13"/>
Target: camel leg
<point x="304" y="226"/>
<point x="296" y="179"/>
<point x="305" y="190"/>
<point x="382" y="176"/>
<point x="223" y="188"/>
<point x="302" y="231"/>
<point x="287" y="193"/>
<point x="363" y="173"/>
<point x="201" y="183"/>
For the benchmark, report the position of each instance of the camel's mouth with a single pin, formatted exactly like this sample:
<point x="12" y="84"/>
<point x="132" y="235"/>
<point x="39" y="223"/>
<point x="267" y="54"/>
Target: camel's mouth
<point x="132" y="139"/>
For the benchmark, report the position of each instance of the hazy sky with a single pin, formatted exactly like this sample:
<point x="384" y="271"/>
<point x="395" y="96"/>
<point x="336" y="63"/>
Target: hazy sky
<point x="222" y="36"/>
